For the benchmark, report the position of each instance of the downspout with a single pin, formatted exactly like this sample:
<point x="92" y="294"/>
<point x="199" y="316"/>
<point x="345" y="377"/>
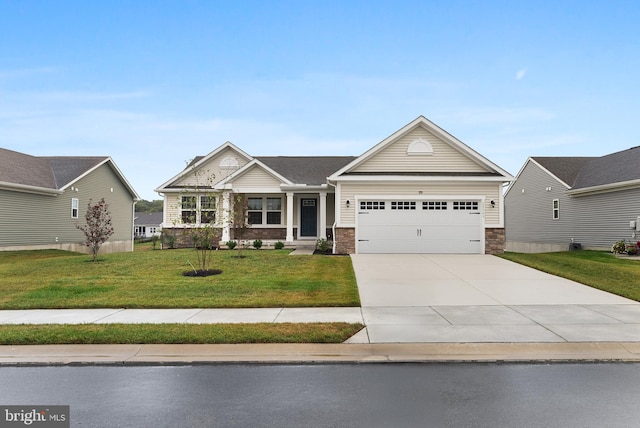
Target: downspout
<point x="335" y="218"/>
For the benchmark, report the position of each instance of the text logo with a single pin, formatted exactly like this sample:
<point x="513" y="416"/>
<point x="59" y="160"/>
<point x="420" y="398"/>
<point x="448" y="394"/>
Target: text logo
<point x="34" y="416"/>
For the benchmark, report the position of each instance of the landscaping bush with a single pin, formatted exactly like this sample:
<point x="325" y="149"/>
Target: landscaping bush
<point x="257" y="244"/>
<point x="231" y="244"/>
<point x="323" y="246"/>
<point x="279" y="245"/>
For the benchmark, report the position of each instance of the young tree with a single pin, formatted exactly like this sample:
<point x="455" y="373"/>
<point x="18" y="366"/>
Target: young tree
<point x="199" y="207"/>
<point x="98" y="228"/>
<point x="239" y="221"/>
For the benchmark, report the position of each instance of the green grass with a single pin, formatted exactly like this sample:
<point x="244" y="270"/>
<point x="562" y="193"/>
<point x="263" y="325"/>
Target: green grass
<point x="597" y="269"/>
<point x="176" y="333"/>
<point x="153" y="279"/>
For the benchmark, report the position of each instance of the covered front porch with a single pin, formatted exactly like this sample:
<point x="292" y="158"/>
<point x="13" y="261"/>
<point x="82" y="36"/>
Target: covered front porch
<point x="293" y="217"/>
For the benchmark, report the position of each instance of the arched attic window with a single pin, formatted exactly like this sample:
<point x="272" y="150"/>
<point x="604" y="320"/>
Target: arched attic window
<point x="229" y="163"/>
<point x="420" y="147"/>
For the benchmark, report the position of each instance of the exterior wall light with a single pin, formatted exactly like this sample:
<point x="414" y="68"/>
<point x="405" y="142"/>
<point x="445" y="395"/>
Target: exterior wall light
<point x="493" y="204"/>
<point x="348" y="203"/>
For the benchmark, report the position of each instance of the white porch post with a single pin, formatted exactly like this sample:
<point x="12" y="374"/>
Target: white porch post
<point x="289" y="237"/>
<point x="323" y="215"/>
<point x="226" y="216"/>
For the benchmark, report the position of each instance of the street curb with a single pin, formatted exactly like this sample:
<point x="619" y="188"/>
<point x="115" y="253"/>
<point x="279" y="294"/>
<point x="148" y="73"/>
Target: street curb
<point x="129" y="355"/>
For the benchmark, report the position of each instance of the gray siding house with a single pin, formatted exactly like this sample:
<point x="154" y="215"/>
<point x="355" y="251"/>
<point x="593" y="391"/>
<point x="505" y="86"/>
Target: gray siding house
<point x="43" y="198"/>
<point x="591" y="201"/>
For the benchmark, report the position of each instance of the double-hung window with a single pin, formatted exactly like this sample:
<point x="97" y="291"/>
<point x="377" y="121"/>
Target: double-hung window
<point x="264" y="210"/>
<point x="254" y="210"/>
<point x="274" y="210"/>
<point x="207" y="209"/>
<point x="200" y="209"/>
<point x="556" y="209"/>
<point x="188" y="209"/>
<point x="75" y="203"/>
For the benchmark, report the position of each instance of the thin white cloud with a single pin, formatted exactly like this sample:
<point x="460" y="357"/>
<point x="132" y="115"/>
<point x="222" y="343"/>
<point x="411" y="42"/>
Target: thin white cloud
<point x="521" y="73"/>
<point x="27" y="72"/>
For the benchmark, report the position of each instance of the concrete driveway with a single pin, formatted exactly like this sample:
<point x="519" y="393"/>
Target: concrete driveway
<point x="481" y="298"/>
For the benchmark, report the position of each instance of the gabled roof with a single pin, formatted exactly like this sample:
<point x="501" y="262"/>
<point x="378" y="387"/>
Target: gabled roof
<point x="440" y="133"/>
<point x="584" y="175"/>
<point x="310" y="170"/>
<point x="50" y="174"/>
<point x="255" y="163"/>
<point x="619" y="167"/>
<point x="565" y="169"/>
<point x="197" y="161"/>
<point x="142" y="219"/>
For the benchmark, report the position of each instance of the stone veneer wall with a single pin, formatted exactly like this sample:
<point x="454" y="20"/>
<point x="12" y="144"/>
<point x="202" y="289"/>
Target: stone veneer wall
<point x="345" y="240"/>
<point x="252" y="234"/>
<point x="494" y="241"/>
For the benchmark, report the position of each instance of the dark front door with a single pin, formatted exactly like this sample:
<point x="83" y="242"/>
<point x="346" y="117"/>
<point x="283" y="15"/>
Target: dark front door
<point x="308" y="217"/>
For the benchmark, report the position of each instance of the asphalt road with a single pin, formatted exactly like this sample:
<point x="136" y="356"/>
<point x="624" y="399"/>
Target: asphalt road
<point x="345" y="395"/>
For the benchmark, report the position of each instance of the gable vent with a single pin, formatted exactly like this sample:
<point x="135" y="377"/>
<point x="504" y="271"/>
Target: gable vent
<point x="420" y="147"/>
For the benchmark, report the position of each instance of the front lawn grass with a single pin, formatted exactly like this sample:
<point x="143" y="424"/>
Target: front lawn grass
<point x="49" y="279"/>
<point x="598" y="269"/>
<point x="176" y="333"/>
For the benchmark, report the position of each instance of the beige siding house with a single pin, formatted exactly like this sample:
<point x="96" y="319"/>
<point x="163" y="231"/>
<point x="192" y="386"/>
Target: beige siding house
<point x="43" y="198"/>
<point x="418" y="191"/>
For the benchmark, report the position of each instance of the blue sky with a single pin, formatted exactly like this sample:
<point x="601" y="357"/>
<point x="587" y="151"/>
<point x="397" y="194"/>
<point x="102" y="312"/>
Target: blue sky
<point x="154" y="83"/>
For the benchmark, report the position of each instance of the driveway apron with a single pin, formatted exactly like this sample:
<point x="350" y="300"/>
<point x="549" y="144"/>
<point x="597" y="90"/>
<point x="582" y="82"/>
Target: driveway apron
<point x="482" y="298"/>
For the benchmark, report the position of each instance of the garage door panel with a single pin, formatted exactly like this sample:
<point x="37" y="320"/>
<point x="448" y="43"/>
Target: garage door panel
<point x="413" y="228"/>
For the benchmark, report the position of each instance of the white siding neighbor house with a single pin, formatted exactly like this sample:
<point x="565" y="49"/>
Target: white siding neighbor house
<point x="420" y="190"/>
<point x="147" y="225"/>
<point x="559" y="202"/>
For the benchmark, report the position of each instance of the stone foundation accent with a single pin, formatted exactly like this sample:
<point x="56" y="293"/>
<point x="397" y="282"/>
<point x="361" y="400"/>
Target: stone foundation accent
<point x="251" y="234"/>
<point x="494" y="241"/>
<point x="345" y="240"/>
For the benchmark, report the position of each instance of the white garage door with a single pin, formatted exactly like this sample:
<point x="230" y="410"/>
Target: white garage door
<point x="418" y="226"/>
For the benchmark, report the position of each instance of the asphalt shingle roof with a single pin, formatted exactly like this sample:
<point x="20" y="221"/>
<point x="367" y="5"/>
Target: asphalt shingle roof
<point x="584" y="172"/>
<point x="46" y="172"/>
<point x="143" y="219"/>
<point x="614" y="168"/>
<point x="312" y="170"/>
<point x="565" y="168"/>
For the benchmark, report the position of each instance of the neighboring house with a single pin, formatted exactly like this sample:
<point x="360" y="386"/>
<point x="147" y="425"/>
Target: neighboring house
<point x="147" y="225"/>
<point x="591" y="201"/>
<point x="43" y="198"/>
<point x="418" y="191"/>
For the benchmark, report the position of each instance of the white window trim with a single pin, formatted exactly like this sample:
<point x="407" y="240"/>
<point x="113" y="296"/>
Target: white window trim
<point x="265" y="210"/>
<point x="555" y="209"/>
<point x="75" y="205"/>
<point x="198" y="209"/>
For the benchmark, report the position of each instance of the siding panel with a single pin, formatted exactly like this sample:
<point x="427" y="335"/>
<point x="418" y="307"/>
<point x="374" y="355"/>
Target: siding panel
<point x="211" y="172"/>
<point x="394" y="158"/>
<point x="30" y="219"/>
<point x="595" y="221"/>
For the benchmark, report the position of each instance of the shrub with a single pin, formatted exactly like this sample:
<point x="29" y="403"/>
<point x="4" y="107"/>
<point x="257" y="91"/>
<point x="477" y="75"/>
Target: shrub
<point x="257" y="244"/>
<point x="231" y="244"/>
<point x="323" y="246"/>
<point x="279" y="245"/>
<point x="619" y="247"/>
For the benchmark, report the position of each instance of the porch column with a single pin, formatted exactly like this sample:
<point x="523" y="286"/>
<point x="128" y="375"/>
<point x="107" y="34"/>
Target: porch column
<point x="323" y="215"/>
<point x="226" y="216"/>
<point x="289" y="237"/>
